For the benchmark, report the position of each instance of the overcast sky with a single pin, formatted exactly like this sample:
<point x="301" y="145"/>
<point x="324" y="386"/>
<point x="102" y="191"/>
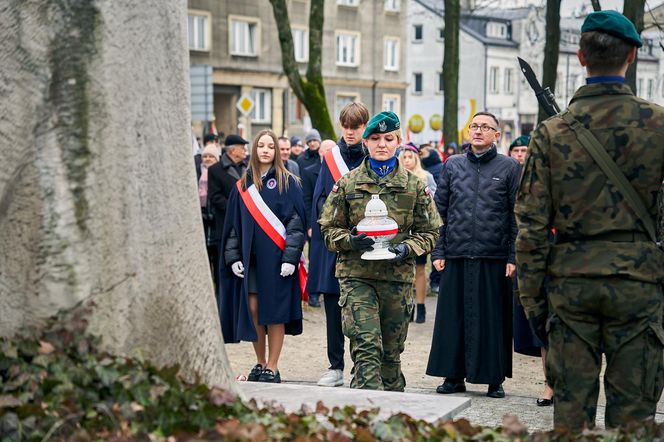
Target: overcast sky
<point x="569" y="7"/>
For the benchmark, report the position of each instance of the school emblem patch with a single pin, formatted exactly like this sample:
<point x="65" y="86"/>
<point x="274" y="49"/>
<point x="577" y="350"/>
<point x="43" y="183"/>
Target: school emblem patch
<point x="271" y="183"/>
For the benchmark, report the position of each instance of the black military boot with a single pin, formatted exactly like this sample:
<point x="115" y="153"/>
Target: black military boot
<point x="421" y="314"/>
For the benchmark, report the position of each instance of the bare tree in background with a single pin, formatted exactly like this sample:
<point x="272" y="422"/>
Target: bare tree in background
<point x="633" y="10"/>
<point x="551" y="49"/>
<point x="596" y="5"/>
<point x="310" y="89"/>
<point x="451" y="72"/>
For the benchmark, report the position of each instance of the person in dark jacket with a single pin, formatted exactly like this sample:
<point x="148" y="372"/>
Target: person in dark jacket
<point x="222" y="177"/>
<point x="311" y="155"/>
<point x="472" y="336"/>
<point x="431" y="161"/>
<point x="209" y="157"/>
<point x="262" y="243"/>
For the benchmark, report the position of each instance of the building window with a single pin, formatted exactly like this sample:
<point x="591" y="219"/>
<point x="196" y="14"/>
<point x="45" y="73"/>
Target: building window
<point x="509" y="78"/>
<point x="496" y="30"/>
<point x="296" y="111"/>
<point x="440" y="85"/>
<point x="198" y="30"/>
<point x="392" y="5"/>
<point x="244" y="36"/>
<point x="418" y="33"/>
<point x="301" y="44"/>
<point x="392" y="102"/>
<point x="651" y="86"/>
<point x="348" y="48"/>
<point x="441" y="34"/>
<point x="262" y="112"/>
<point x="343" y="99"/>
<point x="391" y="57"/>
<point x="417" y="83"/>
<point x="348" y="2"/>
<point x="493" y="80"/>
<point x="639" y="87"/>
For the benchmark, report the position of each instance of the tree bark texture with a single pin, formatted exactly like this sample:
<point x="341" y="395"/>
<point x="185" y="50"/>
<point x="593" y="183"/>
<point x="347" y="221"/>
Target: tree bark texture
<point x="633" y="10"/>
<point x="596" y="5"/>
<point x="310" y="90"/>
<point x="551" y="50"/>
<point x="98" y="201"/>
<point x="451" y="72"/>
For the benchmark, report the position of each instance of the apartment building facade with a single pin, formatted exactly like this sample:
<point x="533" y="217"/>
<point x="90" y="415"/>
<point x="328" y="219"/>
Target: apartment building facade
<point x="363" y="58"/>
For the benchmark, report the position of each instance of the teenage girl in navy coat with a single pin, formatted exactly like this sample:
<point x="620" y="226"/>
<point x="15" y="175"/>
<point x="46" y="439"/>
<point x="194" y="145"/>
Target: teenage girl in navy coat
<point x="260" y="286"/>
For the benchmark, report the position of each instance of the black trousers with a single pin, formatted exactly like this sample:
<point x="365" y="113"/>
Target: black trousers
<point x="335" y="336"/>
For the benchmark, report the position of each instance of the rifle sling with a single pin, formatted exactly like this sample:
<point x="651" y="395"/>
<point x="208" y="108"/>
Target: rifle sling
<point x="610" y="168"/>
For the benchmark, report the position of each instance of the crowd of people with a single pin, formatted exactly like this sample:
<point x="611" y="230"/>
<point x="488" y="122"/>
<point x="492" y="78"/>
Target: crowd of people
<point x="476" y="214"/>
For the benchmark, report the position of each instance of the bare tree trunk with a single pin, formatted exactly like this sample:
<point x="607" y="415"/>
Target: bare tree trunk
<point x="596" y="5"/>
<point x="310" y="91"/>
<point x="451" y="72"/>
<point x="633" y="10"/>
<point x="98" y="202"/>
<point x="551" y="50"/>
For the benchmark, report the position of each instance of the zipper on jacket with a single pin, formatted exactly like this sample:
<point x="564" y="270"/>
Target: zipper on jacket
<point x="477" y="191"/>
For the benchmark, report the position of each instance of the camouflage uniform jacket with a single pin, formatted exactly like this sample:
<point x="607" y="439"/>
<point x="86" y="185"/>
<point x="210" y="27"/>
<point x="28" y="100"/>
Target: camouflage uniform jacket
<point x="408" y="202"/>
<point x="562" y="187"/>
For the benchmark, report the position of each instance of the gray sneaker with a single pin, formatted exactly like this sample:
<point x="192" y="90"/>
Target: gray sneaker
<point x="332" y="378"/>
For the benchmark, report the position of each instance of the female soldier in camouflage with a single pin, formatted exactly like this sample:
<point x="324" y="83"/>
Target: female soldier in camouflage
<point x="376" y="296"/>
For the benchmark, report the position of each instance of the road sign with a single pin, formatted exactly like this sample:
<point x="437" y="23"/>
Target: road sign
<point x="202" y="99"/>
<point x="245" y="104"/>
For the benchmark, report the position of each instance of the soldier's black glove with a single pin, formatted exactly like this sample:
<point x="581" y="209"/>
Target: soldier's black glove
<point x="538" y="327"/>
<point x="361" y="242"/>
<point x="401" y="250"/>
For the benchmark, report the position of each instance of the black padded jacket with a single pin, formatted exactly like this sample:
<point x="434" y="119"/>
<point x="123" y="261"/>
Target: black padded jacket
<point x="475" y="198"/>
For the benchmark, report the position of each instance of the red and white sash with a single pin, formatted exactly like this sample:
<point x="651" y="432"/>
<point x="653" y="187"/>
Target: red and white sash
<point x="272" y="227"/>
<point x="335" y="163"/>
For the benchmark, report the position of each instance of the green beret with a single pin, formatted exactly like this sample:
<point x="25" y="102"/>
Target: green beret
<point x="522" y="140"/>
<point x="382" y="123"/>
<point x="612" y="23"/>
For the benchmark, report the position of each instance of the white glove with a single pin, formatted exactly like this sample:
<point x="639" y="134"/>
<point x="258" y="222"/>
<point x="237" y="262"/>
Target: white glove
<point x="287" y="269"/>
<point x="238" y="269"/>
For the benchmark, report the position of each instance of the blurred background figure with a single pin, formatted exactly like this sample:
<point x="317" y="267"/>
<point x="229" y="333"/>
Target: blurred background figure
<point x="285" y="153"/>
<point x="410" y="158"/>
<point x="310" y="156"/>
<point x="519" y="148"/>
<point x="209" y="157"/>
<point x="296" y="148"/>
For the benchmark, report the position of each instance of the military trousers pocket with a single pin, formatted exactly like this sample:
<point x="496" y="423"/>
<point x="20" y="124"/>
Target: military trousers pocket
<point x="653" y="363"/>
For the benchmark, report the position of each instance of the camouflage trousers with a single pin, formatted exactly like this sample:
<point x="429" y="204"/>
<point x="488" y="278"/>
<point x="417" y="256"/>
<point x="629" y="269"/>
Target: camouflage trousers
<point x="375" y="316"/>
<point x="620" y="318"/>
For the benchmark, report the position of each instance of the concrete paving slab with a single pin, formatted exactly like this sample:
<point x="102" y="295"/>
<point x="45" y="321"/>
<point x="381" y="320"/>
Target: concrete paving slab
<point x="420" y="406"/>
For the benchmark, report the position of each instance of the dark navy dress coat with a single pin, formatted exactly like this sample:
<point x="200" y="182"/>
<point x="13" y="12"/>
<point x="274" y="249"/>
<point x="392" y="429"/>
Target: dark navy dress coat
<point x="278" y="297"/>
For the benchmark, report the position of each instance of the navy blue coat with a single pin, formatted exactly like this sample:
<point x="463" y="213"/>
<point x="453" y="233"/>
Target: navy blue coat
<point x="322" y="262"/>
<point x="475" y="198"/>
<point x="278" y="297"/>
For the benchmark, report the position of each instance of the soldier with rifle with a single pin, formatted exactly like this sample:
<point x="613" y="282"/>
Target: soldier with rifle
<point x="594" y="172"/>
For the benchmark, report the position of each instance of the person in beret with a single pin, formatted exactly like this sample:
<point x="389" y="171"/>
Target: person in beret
<point x="377" y="296"/>
<point x="605" y="269"/>
<point x="518" y="148"/>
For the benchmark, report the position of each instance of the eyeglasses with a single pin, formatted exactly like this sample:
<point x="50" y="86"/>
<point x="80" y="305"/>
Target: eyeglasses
<point x="484" y="128"/>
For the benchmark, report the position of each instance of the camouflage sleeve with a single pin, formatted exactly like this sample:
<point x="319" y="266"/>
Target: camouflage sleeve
<point x="533" y="215"/>
<point x="424" y="232"/>
<point x="513" y="188"/>
<point x="334" y="220"/>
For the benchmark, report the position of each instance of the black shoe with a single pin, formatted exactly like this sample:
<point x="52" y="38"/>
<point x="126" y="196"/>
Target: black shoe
<point x="314" y="300"/>
<point x="269" y="376"/>
<point x="496" y="391"/>
<point x="255" y="373"/>
<point x="544" y="402"/>
<point x="421" y="313"/>
<point x="451" y="386"/>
